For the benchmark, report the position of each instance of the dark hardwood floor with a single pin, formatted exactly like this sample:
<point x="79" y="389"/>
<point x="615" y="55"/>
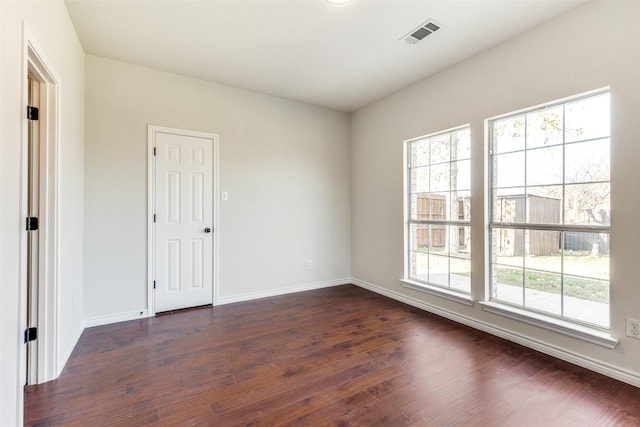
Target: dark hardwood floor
<point x="338" y="356"/>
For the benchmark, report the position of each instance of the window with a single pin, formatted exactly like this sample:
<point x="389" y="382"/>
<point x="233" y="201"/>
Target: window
<point x="438" y="203"/>
<point x="550" y="209"/>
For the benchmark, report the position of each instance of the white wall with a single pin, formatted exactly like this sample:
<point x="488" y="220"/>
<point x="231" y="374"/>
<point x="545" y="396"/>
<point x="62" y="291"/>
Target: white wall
<point x="284" y="164"/>
<point x="53" y="31"/>
<point x="591" y="47"/>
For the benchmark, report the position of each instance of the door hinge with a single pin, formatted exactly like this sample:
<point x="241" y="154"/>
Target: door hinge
<point x="32" y="113"/>
<point x="154" y="217"/>
<point x="32" y="223"/>
<point x="154" y="151"/>
<point x="154" y="284"/>
<point x="30" y="334"/>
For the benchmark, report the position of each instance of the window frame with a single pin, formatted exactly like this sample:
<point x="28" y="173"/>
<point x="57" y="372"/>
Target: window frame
<point x="578" y="328"/>
<point x="415" y="283"/>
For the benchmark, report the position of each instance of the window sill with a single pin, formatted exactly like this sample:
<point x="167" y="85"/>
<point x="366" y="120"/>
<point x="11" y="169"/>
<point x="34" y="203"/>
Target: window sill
<point x="438" y="291"/>
<point x="584" y="333"/>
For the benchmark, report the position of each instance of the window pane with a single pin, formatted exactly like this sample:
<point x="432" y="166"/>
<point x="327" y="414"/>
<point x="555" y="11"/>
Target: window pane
<point x="464" y="242"/>
<point x="544" y="205"/>
<point x="419" y="153"/>
<point x="461" y="144"/>
<point x="508" y="284"/>
<point x="508" y="170"/>
<point x="440" y="179"/>
<point x="509" y="206"/>
<point x="439" y="270"/>
<point x="592" y="290"/>
<point x="588" y="161"/>
<point x="543" y="250"/>
<point x="461" y="175"/>
<point x="419" y="237"/>
<point x="508" y="246"/>
<point x="438" y="239"/>
<point x="452" y="240"/>
<point x="544" y="127"/>
<point x="419" y="268"/>
<point x="438" y="206"/>
<point x="419" y="206"/>
<point x="544" y="166"/>
<point x="587" y="118"/>
<point x="587" y="204"/>
<point x="460" y="274"/>
<point x="509" y="134"/>
<point x="543" y="291"/>
<point x="453" y="207"/>
<point x="440" y="148"/>
<point x="587" y="300"/>
<point x="420" y="179"/>
<point x="586" y="254"/>
<point x="463" y="201"/>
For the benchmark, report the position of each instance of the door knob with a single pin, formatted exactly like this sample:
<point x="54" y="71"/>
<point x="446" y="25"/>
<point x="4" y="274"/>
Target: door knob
<point x="207" y="230"/>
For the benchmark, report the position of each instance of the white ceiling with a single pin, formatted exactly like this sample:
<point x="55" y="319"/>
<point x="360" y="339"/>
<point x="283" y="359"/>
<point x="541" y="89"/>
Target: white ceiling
<point x="339" y="56"/>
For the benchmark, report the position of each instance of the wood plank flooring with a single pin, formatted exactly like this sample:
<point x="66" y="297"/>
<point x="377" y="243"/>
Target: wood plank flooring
<point x="338" y="356"/>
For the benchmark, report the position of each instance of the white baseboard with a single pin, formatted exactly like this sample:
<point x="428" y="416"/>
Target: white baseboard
<point x="282" y="291"/>
<point x="551" y="350"/>
<point x="115" y="318"/>
<point x="139" y="314"/>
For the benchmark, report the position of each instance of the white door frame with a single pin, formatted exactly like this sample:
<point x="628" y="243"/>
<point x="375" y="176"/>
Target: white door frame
<point x="36" y="64"/>
<point x="151" y="132"/>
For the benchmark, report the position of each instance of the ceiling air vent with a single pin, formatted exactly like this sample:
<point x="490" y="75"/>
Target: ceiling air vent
<point x="421" y="32"/>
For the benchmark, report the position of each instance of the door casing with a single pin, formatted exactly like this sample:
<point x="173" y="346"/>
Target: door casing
<point x="151" y="196"/>
<point x="38" y="67"/>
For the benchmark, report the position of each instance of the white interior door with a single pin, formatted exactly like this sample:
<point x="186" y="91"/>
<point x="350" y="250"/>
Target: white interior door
<point x="184" y="221"/>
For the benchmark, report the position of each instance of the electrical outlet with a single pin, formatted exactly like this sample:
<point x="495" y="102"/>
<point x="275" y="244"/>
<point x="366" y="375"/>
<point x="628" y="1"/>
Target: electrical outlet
<point x="633" y="328"/>
<point x="308" y="264"/>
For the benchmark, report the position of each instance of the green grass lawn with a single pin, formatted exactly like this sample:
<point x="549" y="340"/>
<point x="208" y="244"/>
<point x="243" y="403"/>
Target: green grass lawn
<point x="593" y="286"/>
<point x="596" y="289"/>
